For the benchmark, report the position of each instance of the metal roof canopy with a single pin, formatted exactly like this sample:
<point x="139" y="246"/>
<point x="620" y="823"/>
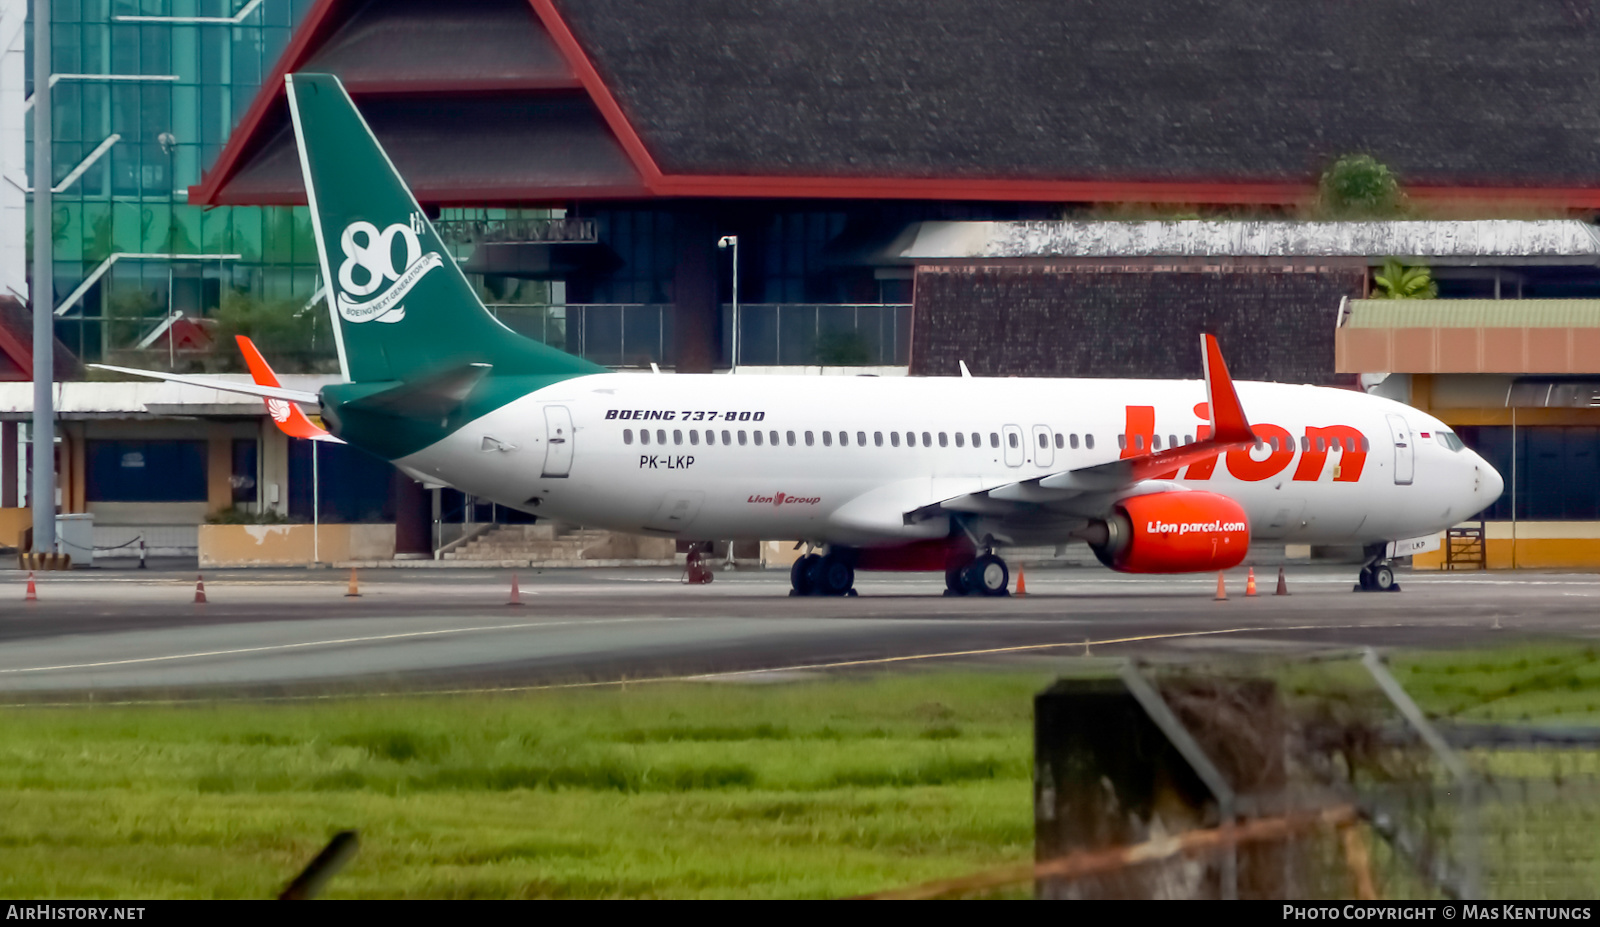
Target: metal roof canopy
<point x="1440" y="243"/>
<point x="144" y="399"/>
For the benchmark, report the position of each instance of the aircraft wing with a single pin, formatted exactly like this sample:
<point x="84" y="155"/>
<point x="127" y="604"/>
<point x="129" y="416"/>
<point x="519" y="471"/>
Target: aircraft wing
<point x="227" y="386"/>
<point x="1089" y="491"/>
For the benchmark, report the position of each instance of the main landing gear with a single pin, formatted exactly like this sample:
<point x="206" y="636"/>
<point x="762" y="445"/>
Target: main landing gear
<point x="1378" y="574"/>
<point x="987" y="575"/>
<point x="833" y="573"/>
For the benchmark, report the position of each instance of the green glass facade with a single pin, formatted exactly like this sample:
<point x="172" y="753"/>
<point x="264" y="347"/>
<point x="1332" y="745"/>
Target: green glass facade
<point x="172" y="89"/>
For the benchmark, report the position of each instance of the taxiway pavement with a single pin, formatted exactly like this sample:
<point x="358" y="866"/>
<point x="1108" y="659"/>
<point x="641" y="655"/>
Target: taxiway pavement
<point x="132" y="634"/>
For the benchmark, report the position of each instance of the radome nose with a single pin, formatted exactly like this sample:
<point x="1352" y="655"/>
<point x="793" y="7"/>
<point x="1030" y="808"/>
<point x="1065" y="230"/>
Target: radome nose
<point x="1490" y="484"/>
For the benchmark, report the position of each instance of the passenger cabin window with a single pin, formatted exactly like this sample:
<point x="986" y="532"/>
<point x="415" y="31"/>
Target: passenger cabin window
<point x="977" y="439"/>
<point x="790" y="435"/>
<point x="944" y="439"/>
<point x="741" y="438"/>
<point x="726" y="437"/>
<point x="994" y="439"/>
<point x="877" y="438"/>
<point x="861" y="438"/>
<point x="1155" y="442"/>
<point x="1122" y="441"/>
<point x="844" y="439"/>
<point x="756" y="435"/>
<point x="1044" y="441"/>
<point x="694" y="436"/>
<point x="894" y="438"/>
<point x="677" y="436"/>
<point x="811" y="439"/>
<point x="1011" y="439"/>
<point x="1088" y="442"/>
<point x="644" y="436"/>
<point x="1073" y="442"/>
<point x="627" y="436"/>
<point x="773" y="437"/>
<point x="1172" y="440"/>
<point x="1305" y="443"/>
<point x="661" y="436"/>
<point x="911" y="439"/>
<point x="1322" y="444"/>
<point x="827" y="439"/>
<point x="1188" y="439"/>
<point x="1061" y="440"/>
<point x="711" y="437"/>
<point x="927" y="439"/>
<point x="961" y="440"/>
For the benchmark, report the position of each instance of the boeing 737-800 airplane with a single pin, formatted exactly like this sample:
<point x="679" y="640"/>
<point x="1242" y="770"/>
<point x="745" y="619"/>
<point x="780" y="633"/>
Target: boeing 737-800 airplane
<point x="1157" y="476"/>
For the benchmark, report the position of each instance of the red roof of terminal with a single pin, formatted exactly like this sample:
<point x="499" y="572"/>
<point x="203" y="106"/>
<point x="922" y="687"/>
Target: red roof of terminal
<point x="501" y="101"/>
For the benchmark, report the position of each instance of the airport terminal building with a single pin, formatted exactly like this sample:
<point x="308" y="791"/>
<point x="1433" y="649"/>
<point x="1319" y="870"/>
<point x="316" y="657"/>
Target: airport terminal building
<point x="903" y="185"/>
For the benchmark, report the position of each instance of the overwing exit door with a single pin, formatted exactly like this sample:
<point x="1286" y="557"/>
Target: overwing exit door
<point x="558" y="441"/>
<point x="1404" y="453"/>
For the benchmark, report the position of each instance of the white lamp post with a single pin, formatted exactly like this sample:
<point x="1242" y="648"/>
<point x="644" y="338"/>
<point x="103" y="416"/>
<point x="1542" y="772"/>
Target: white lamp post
<point x="732" y="241"/>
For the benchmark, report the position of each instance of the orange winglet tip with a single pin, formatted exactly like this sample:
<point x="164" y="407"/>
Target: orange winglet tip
<point x="1228" y="424"/>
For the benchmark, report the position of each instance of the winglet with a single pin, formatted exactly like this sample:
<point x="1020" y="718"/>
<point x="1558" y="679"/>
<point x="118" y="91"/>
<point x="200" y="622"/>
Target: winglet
<point x="1228" y="424"/>
<point x="286" y="415"/>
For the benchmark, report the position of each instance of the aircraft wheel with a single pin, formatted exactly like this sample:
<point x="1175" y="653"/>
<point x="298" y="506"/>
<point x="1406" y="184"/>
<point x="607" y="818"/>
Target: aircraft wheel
<point x="1364" y="580"/>
<point x="988" y="575"/>
<point x="1383" y="578"/>
<point x="955" y="582"/>
<point x="800" y="574"/>
<point x="833" y="575"/>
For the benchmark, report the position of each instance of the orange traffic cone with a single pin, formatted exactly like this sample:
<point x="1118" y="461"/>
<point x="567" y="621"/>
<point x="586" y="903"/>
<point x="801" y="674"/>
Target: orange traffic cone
<point x="353" y="592"/>
<point x="516" y="592"/>
<point x="33" y="593"/>
<point x="1283" y="586"/>
<point x="1022" y="581"/>
<point x="1250" y="583"/>
<point x="199" y="590"/>
<point x="1222" y="589"/>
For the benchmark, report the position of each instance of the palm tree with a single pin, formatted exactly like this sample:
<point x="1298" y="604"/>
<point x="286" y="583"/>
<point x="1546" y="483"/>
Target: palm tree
<point x="1397" y="281"/>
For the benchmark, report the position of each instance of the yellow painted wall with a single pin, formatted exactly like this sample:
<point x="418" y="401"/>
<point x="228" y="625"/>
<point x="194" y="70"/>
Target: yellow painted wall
<point x="1547" y="545"/>
<point x="12" y="523"/>
<point x="292" y="545"/>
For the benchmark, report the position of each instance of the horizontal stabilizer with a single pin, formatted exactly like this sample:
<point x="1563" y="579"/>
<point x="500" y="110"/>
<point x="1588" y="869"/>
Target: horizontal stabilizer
<point x="429" y="397"/>
<point x="213" y="382"/>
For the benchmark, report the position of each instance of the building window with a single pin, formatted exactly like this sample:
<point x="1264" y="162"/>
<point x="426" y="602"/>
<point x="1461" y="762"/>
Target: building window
<point x="145" y="471"/>
<point x="243" y="479"/>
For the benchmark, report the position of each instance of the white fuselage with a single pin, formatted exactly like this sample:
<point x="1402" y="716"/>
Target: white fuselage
<point x="574" y="451"/>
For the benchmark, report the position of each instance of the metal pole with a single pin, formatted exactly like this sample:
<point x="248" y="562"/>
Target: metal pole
<point x="1513" y="493"/>
<point x="316" y="507"/>
<point x="43" y="293"/>
<point x="735" y="304"/>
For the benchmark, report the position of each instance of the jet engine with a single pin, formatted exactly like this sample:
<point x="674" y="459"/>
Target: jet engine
<point x="1171" y="532"/>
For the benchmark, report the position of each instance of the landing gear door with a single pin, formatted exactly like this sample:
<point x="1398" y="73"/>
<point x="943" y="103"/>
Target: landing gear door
<point x="558" y="442"/>
<point x="1404" y="452"/>
<point x="1011" y="442"/>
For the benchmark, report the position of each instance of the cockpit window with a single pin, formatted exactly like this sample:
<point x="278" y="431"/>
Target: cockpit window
<point x="1449" y="439"/>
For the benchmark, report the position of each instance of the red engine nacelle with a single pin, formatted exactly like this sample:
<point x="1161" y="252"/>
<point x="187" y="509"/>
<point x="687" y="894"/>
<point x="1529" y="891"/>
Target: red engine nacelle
<point x="1172" y="532"/>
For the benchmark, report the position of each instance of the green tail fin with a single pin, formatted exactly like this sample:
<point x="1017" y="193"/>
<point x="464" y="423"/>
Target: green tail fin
<point x="401" y="307"/>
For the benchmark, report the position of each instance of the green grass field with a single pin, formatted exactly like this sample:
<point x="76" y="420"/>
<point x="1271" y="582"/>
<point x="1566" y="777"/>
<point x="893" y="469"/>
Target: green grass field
<point x="814" y="788"/>
<point x="807" y="789"/>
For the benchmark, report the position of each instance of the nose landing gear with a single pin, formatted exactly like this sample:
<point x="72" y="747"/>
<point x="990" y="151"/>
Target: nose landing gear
<point x="1378" y="574"/>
